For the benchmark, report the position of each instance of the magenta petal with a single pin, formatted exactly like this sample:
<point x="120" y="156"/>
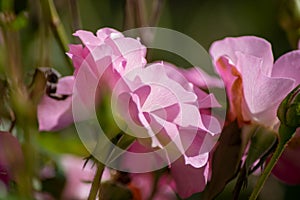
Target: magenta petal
<point x="249" y="45"/>
<point x="288" y="166"/>
<point x="76" y="54"/>
<point x="143" y="93"/>
<point x="75" y="49"/>
<point x="11" y="157"/>
<point x="189" y="180"/>
<point x="168" y="113"/>
<point x="288" y="66"/>
<point x="145" y="181"/>
<point x="209" y="101"/>
<point x="134" y="112"/>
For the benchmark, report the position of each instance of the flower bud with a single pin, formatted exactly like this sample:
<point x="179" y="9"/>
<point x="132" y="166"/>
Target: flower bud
<point x="289" y="110"/>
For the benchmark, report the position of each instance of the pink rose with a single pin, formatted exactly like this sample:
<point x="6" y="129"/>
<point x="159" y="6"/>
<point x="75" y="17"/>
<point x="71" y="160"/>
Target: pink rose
<point x="78" y="179"/>
<point x="255" y="87"/>
<point x="165" y="109"/>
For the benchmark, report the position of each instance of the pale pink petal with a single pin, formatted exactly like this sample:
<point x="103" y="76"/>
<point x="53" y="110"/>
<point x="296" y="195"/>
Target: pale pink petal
<point x="287" y="66"/>
<point x="249" y="45"/>
<point x="197" y="161"/>
<point x="65" y="85"/>
<point x="160" y="97"/>
<point x="131" y="49"/>
<point x="78" y="180"/>
<point x="85" y="85"/>
<point x="103" y="33"/>
<point x="88" y="37"/>
<point x="56" y="114"/>
<point x="201" y="79"/>
<point x="261" y="92"/>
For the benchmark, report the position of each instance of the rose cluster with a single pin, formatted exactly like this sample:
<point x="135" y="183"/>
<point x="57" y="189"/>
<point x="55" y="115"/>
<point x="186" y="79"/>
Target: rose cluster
<point x="166" y="111"/>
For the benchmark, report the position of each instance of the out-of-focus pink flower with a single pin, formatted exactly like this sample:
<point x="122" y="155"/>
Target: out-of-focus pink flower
<point x="78" y="179"/>
<point x="255" y="88"/>
<point x="288" y="166"/>
<point x="11" y="158"/>
<point x="145" y="183"/>
<point x="182" y="178"/>
<point x="54" y="113"/>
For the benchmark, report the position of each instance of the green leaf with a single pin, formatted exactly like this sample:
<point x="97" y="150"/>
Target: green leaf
<point x="62" y="143"/>
<point x="106" y="117"/>
<point x="262" y="142"/>
<point x="226" y="160"/>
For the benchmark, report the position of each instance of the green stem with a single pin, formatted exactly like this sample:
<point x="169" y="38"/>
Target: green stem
<point x="75" y="15"/>
<point x="129" y="12"/>
<point x="156" y="12"/>
<point x="96" y="184"/>
<point x="262" y="179"/>
<point x="286" y="133"/>
<point x="57" y="28"/>
<point x="23" y="110"/>
<point x="44" y="42"/>
<point x="141" y="14"/>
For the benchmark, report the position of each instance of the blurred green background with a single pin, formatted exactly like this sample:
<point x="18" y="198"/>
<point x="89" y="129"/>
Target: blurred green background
<point x="203" y="20"/>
